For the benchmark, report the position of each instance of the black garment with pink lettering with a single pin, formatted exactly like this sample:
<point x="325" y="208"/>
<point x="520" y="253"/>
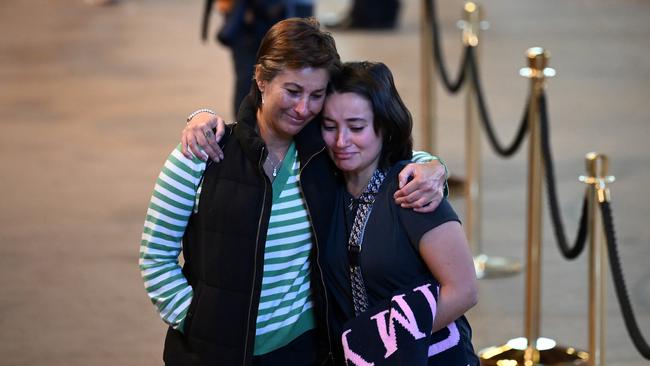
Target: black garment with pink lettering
<point x="390" y="260"/>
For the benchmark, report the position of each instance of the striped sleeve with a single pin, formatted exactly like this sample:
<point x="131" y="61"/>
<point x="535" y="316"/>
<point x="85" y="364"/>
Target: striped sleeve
<point x="169" y="210"/>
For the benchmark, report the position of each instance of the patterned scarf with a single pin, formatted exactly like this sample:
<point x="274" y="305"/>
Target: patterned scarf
<point x="365" y="201"/>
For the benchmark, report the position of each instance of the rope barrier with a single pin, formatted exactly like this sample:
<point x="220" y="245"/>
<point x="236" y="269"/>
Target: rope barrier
<point x="619" y="283"/>
<point x="558" y="226"/>
<point x="438" y="53"/>
<point x="485" y="117"/>
<point x="469" y="63"/>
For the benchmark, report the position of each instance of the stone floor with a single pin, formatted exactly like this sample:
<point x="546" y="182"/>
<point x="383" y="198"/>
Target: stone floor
<point x="93" y="98"/>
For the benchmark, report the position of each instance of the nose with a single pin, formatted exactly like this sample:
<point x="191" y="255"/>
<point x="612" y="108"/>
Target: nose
<point x="301" y="107"/>
<point x="341" y="139"/>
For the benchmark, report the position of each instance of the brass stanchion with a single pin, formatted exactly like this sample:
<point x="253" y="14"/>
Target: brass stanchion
<point x="427" y="83"/>
<point x="533" y="349"/>
<point x="484" y="265"/>
<point x="597" y="179"/>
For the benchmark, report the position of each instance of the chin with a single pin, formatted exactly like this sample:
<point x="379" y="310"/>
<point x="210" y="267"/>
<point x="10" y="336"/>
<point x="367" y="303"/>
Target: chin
<point x="345" y="167"/>
<point x="294" y="127"/>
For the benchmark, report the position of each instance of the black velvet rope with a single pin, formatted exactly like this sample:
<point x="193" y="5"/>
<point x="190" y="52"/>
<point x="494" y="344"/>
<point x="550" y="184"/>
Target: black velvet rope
<point x="452" y="87"/>
<point x="558" y="226"/>
<point x="504" y="151"/>
<point x="619" y="284"/>
<point x="469" y="64"/>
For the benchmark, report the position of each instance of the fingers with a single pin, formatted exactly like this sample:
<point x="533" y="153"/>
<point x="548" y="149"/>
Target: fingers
<point x="405" y="175"/>
<point x="410" y="183"/>
<point x="208" y="142"/>
<point x="429" y="207"/>
<point x="417" y="198"/>
<point x="190" y="147"/>
<point x="184" y="147"/>
<point x="426" y="200"/>
<point x="221" y="128"/>
<point x="419" y="193"/>
<point x="406" y="194"/>
<point x="194" y="145"/>
<point x="214" y="143"/>
<point x="199" y="139"/>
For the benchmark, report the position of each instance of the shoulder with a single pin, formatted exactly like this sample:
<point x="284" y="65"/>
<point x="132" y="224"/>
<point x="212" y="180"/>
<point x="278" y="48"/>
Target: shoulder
<point x="391" y="182"/>
<point x="443" y="213"/>
<point x="176" y="160"/>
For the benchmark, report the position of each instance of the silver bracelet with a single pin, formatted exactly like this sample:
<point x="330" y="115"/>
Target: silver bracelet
<point x="193" y="114"/>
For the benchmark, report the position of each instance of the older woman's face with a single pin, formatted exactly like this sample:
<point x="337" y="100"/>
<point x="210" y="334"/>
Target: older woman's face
<point x="349" y="133"/>
<point x="292" y="99"/>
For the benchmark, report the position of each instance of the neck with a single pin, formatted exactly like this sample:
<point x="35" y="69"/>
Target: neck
<point x="275" y="143"/>
<point x="356" y="182"/>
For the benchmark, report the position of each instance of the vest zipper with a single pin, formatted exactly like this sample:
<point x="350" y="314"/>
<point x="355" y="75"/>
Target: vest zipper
<point x="320" y="270"/>
<point x="257" y="245"/>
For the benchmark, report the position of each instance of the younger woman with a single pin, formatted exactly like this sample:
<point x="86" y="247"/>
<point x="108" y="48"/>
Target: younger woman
<point x="376" y="249"/>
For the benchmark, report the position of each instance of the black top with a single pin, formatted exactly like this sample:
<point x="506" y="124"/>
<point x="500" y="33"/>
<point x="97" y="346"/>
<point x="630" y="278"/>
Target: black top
<point x="390" y="259"/>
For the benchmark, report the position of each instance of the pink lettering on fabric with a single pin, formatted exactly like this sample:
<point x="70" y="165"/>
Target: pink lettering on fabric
<point x="426" y="291"/>
<point x="447" y="343"/>
<point x="350" y="355"/>
<point x="454" y="334"/>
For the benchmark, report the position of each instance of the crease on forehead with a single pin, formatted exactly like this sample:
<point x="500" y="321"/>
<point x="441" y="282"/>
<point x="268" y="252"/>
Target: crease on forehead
<point x="301" y="77"/>
<point x="301" y="87"/>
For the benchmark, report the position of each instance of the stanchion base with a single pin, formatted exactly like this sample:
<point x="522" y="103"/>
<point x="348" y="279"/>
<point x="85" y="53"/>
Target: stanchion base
<point x="495" y="267"/>
<point x="456" y="186"/>
<point x="515" y="353"/>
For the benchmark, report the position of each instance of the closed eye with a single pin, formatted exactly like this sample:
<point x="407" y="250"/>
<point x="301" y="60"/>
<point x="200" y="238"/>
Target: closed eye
<point x="357" y="124"/>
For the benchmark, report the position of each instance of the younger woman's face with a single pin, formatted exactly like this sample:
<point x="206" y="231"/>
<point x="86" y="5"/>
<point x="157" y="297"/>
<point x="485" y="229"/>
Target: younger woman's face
<point x="292" y="99"/>
<point x="349" y="133"/>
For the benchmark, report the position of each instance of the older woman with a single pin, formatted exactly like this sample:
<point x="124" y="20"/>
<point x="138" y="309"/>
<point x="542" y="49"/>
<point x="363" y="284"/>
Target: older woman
<point x="251" y="226"/>
<point x="377" y="249"/>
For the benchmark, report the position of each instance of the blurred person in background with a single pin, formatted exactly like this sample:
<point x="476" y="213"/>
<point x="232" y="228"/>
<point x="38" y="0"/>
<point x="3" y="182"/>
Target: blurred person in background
<point x="245" y="22"/>
<point x="369" y="15"/>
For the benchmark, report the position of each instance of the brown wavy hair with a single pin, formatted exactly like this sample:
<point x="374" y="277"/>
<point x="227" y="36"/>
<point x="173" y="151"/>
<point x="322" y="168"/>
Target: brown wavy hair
<point x="294" y="43"/>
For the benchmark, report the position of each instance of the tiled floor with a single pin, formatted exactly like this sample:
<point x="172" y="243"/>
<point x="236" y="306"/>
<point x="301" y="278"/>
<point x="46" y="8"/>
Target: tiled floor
<point x="93" y="98"/>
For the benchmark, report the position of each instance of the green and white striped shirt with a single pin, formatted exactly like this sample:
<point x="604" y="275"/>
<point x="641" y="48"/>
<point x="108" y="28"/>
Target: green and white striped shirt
<point x="285" y="307"/>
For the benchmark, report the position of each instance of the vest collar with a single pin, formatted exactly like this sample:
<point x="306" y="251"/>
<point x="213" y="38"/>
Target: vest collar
<point x="245" y="130"/>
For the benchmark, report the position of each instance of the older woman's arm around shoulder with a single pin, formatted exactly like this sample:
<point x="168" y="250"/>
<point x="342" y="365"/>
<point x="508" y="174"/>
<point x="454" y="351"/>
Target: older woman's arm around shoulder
<point x="445" y="251"/>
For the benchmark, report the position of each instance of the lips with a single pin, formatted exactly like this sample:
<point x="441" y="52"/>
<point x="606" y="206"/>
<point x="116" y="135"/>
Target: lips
<point x="343" y="155"/>
<point x="296" y="120"/>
